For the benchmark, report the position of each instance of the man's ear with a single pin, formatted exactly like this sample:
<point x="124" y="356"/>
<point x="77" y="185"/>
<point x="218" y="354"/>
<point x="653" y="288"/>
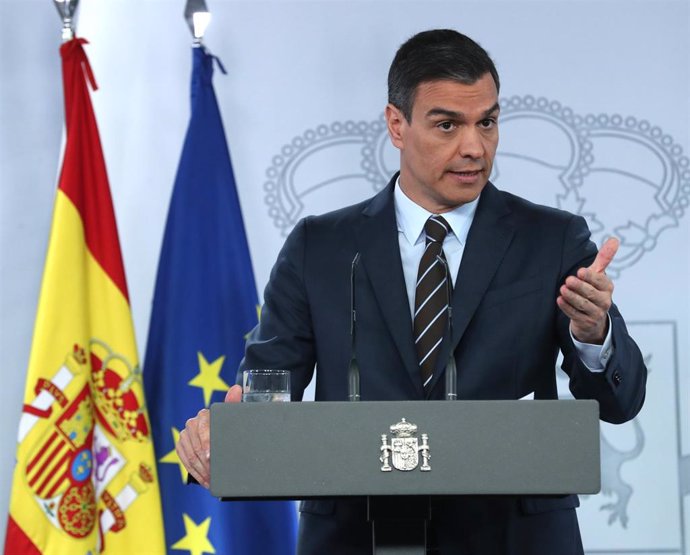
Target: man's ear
<point x="395" y="121"/>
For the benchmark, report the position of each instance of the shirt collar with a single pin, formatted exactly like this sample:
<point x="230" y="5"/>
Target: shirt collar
<point x="411" y="217"/>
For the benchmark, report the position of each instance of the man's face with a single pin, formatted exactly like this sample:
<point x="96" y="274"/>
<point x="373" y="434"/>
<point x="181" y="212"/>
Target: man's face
<point x="447" y="149"/>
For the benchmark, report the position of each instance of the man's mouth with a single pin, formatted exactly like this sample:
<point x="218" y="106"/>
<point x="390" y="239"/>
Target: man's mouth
<point x="468" y="177"/>
<point x="467" y="173"/>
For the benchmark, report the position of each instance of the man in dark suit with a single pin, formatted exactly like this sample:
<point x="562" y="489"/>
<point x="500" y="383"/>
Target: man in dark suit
<point x="527" y="282"/>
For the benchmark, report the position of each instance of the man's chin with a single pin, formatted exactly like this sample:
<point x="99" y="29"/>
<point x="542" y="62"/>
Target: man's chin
<point x="458" y="197"/>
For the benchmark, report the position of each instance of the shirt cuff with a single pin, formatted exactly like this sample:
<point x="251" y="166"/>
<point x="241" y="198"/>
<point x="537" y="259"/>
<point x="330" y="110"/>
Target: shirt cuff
<point x="594" y="357"/>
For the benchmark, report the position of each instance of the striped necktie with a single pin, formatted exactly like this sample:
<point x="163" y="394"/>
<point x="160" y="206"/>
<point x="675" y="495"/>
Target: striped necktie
<point x="431" y="298"/>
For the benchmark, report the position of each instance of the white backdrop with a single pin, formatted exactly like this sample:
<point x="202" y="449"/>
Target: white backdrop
<point x="595" y="119"/>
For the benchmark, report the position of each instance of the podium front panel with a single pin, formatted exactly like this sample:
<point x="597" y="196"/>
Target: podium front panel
<point x="312" y="449"/>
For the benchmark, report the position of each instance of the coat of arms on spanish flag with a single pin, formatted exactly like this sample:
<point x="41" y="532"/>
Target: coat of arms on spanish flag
<point x="85" y="478"/>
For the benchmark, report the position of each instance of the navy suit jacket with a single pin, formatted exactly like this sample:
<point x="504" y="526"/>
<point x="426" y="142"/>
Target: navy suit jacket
<point x="507" y="332"/>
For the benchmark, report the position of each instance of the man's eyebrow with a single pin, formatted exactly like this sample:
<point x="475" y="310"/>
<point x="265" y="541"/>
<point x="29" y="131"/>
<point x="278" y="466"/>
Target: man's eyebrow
<point x="452" y="114"/>
<point x="495" y="108"/>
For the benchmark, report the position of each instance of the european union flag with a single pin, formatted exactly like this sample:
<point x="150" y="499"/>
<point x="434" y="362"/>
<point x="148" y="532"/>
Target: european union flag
<point x="204" y="304"/>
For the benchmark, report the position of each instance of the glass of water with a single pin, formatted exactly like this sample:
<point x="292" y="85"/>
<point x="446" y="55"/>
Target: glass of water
<point x="260" y="386"/>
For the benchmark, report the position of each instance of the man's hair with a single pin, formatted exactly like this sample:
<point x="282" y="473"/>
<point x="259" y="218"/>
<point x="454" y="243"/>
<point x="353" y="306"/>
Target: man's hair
<point x="439" y="54"/>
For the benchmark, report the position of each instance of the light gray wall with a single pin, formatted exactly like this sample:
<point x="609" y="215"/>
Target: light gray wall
<point x="30" y="136"/>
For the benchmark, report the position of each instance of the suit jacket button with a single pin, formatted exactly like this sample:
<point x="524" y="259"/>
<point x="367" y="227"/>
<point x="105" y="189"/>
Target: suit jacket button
<point x="616" y="378"/>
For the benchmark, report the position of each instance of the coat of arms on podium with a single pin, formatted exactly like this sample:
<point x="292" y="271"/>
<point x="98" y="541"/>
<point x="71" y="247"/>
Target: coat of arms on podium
<point x="404" y="449"/>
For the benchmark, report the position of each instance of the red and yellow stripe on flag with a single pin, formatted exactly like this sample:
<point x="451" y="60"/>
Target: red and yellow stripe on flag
<point x="85" y="478"/>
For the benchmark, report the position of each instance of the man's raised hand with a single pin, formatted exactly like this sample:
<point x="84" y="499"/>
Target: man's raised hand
<point x="586" y="297"/>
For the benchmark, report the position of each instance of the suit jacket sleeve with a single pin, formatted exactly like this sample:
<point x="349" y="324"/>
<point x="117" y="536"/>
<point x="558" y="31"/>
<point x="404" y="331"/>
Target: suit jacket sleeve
<point x="620" y="389"/>
<point x="284" y="338"/>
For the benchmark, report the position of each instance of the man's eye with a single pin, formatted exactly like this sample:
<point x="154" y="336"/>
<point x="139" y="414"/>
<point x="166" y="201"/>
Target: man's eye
<point x="446" y="125"/>
<point x="488" y="123"/>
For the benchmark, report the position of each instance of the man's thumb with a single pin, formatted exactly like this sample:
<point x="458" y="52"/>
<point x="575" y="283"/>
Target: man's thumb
<point x="606" y="253"/>
<point x="234" y="394"/>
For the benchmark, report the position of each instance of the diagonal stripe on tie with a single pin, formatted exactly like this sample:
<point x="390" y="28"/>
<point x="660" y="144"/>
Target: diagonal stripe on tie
<point x="438" y="290"/>
<point x="440" y="313"/>
<point x="420" y="278"/>
<point x="427" y="355"/>
<point x="431" y="302"/>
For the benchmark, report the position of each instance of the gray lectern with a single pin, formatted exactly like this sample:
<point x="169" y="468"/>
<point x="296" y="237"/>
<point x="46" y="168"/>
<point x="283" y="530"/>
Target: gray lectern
<point x="405" y="451"/>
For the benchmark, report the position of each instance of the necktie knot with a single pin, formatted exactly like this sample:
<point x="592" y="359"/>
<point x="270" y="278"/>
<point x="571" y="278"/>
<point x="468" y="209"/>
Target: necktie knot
<point x="436" y="229"/>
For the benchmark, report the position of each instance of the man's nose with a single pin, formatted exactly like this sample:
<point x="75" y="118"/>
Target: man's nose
<point x="470" y="144"/>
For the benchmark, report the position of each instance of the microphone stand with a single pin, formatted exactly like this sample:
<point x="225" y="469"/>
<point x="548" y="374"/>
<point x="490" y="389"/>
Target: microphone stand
<point x="353" y="370"/>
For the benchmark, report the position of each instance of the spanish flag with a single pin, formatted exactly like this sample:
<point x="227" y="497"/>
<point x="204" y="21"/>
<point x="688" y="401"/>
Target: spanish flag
<point x="85" y="478"/>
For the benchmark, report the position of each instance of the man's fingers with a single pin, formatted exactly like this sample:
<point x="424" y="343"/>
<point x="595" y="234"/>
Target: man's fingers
<point x="605" y="256"/>
<point x="579" y="286"/>
<point x="194" y="444"/>
<point x="594" y="287"/>
<point x="575" y="300"/>
<point x="585" y="298"/>
<point x="193" y="447"/>
<point x="196" y="462"/>
<point x="599" y="281"/>
<point x="234" y="394"/>
<point x="569" y="310"/>
<point x="190" y="459"/>
<point x="191" y="462"/>
<point x="200" y="433"/>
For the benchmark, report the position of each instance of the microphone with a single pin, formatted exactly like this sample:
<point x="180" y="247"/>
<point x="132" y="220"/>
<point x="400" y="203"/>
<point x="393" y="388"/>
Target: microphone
<point x="353" y="370"/>
<point x="451" y="368"/>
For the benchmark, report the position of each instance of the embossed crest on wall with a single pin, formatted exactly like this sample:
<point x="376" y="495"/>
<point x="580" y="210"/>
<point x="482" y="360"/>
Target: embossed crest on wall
<point x="570" y="161"/>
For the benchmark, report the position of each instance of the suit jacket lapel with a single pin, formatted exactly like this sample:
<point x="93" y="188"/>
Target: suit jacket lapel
<point x="487" y="242"/>
<point x="377" y="241"/>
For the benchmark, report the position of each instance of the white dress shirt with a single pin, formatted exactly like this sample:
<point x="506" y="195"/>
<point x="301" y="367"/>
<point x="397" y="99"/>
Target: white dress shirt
<point x="412" y="240"/>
